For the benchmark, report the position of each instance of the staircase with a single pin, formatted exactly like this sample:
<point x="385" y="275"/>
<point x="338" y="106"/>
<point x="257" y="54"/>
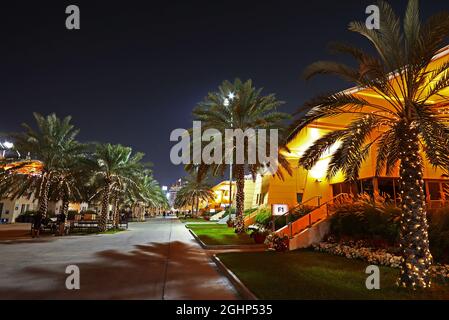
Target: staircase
<point x="217" y="216"/>
<point x="312" y="227"/>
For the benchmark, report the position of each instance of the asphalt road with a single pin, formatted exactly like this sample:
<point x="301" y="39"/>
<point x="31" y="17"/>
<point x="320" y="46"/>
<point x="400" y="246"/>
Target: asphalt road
<point x="158" y="259"/>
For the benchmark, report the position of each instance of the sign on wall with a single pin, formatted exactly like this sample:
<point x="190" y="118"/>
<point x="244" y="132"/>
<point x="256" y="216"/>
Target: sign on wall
<point x="279" y="209"/>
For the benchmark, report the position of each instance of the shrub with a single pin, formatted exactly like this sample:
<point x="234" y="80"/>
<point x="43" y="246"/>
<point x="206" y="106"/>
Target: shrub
<point x="232" y="211"/>
<point x="439" y="234"/>
<point x="263" y="217"/>
<point x="249" y="211"/>
<point x="366" y="219"/>
<point x="277" y="243"/>
<point x="26" y="217"/>
<point x="71" y="214"/>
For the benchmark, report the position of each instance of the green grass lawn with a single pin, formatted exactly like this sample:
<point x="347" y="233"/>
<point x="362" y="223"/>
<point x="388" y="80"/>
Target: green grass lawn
<point x="192" y="220"/>
<point x="307" y="274"/>
<point x="219" y="234"/>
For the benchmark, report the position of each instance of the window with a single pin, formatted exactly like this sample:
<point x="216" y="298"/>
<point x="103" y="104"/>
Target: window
<point x="346" y="187"/>
<point x="22" y="209"/>
<point x="1" y="208"/>
<point x="299" y="197"/>
<point x="367" y="187"/>
<point x="386" y="188"/>
<point x="434" y="190"/>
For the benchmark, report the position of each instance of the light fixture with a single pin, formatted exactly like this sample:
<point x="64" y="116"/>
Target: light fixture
<point x="8" y="145"/>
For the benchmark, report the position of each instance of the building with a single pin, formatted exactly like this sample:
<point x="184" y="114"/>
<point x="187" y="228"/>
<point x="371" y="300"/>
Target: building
<point x="311" y="187"/>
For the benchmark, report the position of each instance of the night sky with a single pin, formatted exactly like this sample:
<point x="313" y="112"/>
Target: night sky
<point x="136" y="69"/>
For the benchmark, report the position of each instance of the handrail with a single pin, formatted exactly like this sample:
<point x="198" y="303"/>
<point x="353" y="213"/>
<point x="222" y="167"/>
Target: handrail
<point x="306" y="220"/>
<point x="332" y="199"/>
<point x="294" y="209"/>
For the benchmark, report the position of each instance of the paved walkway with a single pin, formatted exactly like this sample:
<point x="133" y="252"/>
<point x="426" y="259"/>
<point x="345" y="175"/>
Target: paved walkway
<point x="157" y="259"/>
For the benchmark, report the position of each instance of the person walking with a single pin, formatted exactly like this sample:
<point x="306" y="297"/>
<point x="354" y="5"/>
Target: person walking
<point x="61" y="223"/>
<point x="37" y="222"/>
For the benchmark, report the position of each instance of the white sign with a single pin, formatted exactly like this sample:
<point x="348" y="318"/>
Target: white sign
<point x="279" y="209"/>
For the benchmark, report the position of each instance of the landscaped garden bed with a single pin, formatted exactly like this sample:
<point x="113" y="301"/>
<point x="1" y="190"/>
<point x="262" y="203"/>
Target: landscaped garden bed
<point x="219" y="234"/>
<point x="307" y="274"/>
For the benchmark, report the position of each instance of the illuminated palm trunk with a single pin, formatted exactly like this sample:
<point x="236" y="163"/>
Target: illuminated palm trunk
<point x="43" y="199"/>
<point x="65" y="206"/>
<point x="414" y="243"/>
<point x="240" y="198"/>
<point x="115" y="212"/>
<point x="104" y="208"/>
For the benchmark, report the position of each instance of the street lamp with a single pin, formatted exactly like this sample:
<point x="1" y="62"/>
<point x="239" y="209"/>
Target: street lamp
<point x="6" y="146"/>
<point x="226" y="103"/>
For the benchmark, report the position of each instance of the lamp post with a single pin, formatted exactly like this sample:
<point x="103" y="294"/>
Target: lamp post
<point x="6" y="146"/>
<point x="226" y="103"/>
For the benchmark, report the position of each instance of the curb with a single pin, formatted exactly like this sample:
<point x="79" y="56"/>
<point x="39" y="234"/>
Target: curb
<point x="243" y="290"/>
<point x="226" y="246"/>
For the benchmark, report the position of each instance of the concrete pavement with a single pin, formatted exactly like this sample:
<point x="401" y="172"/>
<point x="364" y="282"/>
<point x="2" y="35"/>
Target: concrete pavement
<point x="158" y="259"/>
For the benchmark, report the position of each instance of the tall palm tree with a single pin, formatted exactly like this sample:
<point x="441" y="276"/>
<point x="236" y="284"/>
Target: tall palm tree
<point x="146" y="193"/>
<point x="48" y="149"/>
<point x="71" y="181"/>
<point x="403" y="129"/>
<point x="196" y="188"/>
<point x="113" y="166"/>
<point x="239" y="105"/>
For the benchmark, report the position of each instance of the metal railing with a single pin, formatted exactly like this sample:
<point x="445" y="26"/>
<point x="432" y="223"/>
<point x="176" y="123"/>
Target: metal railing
<point x="318" y="214"/>
<point x="279" y="222"/>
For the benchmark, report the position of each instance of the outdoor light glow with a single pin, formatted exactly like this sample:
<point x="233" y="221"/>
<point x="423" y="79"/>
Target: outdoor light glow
<point x="8" y="145"/>
<point x="319" y="170"/>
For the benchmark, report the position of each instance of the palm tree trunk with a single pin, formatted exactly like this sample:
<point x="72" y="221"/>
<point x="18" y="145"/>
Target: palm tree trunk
<point x="197" y="205"/>
<point x="43" y="199"/>
<point x="104" y="208"/>
<point x="240" y="198"/>
<point x="65" y="206"/>
<point x="115" y="212"/>
<point x="414" y="241"/>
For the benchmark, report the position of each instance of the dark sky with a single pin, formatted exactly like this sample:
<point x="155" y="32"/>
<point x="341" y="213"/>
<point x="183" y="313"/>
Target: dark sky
<point x="136" y="69"/>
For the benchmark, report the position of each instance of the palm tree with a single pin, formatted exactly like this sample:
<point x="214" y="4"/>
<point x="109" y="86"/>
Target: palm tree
<point x="240" y="105"/>
<point x="403" y="130"/>
<point x="71" y="181"/>
<point x="196" y="188"/>
<point x="145" y="193"/>
<point x="48" y="150"/>
<point x="114" y="166"/>
<point x="149" y="192"/>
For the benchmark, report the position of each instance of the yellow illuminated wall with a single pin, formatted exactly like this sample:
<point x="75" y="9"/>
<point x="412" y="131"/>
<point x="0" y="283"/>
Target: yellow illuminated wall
<point x="313" y="183"/>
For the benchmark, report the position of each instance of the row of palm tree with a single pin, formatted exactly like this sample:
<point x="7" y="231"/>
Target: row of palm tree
<point x="403" y="129"/>
<point x="196" y="188"/>
<point x="70" y="171"/>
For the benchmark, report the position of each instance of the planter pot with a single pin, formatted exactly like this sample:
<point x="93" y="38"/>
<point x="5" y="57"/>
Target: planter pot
<point x="259" y="238"/>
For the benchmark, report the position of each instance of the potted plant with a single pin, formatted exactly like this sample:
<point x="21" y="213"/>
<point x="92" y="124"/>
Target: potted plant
<point x="277" y="243"/>
<point x="259" y="233"/>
